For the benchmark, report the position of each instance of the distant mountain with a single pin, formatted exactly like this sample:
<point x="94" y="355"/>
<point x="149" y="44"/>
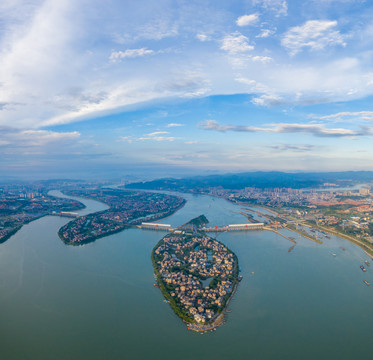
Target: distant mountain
<point x="257" y="179"/>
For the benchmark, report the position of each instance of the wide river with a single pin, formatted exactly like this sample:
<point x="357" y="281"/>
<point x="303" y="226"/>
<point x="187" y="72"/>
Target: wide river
<point x="98" y="301"/>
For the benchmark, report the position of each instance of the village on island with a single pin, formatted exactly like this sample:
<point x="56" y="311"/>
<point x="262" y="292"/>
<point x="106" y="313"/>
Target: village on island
<point x="196" y="274"/>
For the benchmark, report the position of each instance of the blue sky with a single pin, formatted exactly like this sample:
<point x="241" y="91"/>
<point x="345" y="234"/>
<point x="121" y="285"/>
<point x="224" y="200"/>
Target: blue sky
<point x="109" y="88"/>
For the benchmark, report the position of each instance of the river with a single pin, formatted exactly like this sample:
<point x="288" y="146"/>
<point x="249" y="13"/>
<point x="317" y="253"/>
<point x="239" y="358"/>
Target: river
<point x="98" y="301"/>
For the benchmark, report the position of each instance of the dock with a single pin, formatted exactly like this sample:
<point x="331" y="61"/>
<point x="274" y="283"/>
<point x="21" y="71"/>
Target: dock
<point x="277" y="232"/>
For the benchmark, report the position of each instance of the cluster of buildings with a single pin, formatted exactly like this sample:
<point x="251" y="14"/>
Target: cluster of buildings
<point x="17" y="209"/>
<point x="198" y="272"/>
<point x="125" y="208"/>
<point x="279" y="197"/>
<point x="87" y="228"/>
<point x="129" y="202"/>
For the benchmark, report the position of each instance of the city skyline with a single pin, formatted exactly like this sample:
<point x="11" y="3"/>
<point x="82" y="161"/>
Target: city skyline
<point x="176" y="88"/>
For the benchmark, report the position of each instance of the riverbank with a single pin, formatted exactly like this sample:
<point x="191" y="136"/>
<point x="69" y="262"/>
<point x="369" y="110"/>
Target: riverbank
<point x="123" y="212"/>
<point x="293" y="228"/>
<point x="355" y="241"/>
<point x="218" y="321"/>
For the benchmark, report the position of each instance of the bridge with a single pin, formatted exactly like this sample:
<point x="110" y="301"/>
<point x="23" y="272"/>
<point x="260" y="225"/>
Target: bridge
<point x="232" y="227"/>
<point x="67" y="214"/>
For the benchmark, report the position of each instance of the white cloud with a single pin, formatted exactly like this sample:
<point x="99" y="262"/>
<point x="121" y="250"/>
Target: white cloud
<point x="314" y="34"/>
<point x="279" y="7"/>
<point x="35" y="138"/>
<point x="348" y="115"/>
<point x="157" y="138"/>
<point x="246" y="20"/>
<point x="127" y="139"/>
<point x="265" y="33"/>
<point x="268" y="100"/>
<point x="50" y="77"/>
<point x="290" y="147"/>
<point x="262" y="59"/>
<point x="174" y="125"/>
<point x="158" y="133"/>
<point x="202" y="37"/>
<point x="236" y="43"/>
<point x="129" y="53"/>
<point x="312" y="129"/>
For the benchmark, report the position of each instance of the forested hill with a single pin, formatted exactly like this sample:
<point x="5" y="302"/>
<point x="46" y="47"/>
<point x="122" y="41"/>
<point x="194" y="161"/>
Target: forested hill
<point x="258" y="179"/>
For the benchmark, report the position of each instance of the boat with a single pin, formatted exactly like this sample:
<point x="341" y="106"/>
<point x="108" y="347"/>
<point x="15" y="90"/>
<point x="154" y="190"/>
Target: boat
<point x="334" y="254"/>
<point x="367" y="262"/>
<point x="366" y="283"/>
<point x="240" y="278"/>
<point x="156" y="285"/>
<point x="363" y="268"/>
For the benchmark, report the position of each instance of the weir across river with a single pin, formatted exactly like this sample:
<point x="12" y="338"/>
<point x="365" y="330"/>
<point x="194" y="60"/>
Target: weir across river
<point x="232" y="227"/>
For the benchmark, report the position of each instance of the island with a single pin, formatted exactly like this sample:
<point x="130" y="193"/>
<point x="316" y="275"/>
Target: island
<point x="197" y="275"/>
<point x="126" y="209"/>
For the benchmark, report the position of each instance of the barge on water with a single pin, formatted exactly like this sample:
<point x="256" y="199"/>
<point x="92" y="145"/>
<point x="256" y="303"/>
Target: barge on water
<point x="363" y="268"/>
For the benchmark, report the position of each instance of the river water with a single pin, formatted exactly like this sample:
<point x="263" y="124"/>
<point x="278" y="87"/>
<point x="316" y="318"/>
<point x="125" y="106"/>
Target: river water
<point x="98" y="301"/>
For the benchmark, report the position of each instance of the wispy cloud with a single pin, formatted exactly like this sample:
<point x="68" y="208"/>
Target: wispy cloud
<point x="262" y="59"/>
<point x="312" y="129"/>
<point x="279" y="7"/>
<point x="265" y="33"/>
<point x="174" y="125"/>
<point x="202" y="37"/>
<point x="295" y="148"/>
<point x="313" y="34"/>
<point x="35" y="139"/>
<point x="348" y="115"/>
<point x="115" y="56"/>
<point x="157" y="138"/>
<point x="155" y="133"/>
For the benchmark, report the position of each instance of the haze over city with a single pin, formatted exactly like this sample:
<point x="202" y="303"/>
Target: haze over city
<point x="174" y="87"/>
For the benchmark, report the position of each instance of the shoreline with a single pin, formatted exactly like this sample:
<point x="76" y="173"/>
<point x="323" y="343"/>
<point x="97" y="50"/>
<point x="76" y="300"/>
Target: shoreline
<point x="125" y="226"/>
<point x="211" y="324"/>
<point x="217" y="321"/>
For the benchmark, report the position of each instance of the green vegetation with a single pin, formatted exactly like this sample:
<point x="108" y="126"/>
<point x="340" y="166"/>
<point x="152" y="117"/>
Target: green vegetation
<point x="198" y="222"/>
<point x="182" y="262"/>
<point x="166" y="290"/>
<point x="126" y="208"/>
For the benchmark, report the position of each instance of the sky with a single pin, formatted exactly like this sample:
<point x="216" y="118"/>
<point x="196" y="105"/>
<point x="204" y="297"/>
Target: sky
<point x="99" y="89"/>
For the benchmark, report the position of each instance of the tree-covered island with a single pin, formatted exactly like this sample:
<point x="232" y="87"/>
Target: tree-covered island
<point x="197" y="275"/>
